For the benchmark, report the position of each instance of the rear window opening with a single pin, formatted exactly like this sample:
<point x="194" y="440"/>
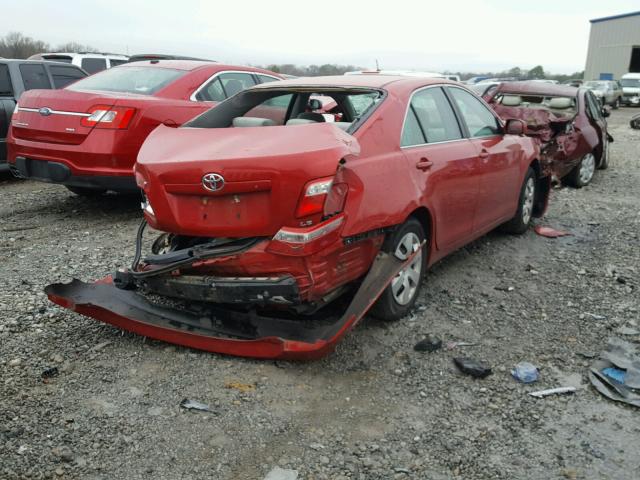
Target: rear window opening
<point x="344" y="107"/>
<point x="139" y="80"/>
<point x="561" y="106"/>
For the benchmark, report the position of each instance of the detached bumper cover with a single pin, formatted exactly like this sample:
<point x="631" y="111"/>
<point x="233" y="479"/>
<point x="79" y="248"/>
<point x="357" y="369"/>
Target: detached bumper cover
<point x="226" y="331"/>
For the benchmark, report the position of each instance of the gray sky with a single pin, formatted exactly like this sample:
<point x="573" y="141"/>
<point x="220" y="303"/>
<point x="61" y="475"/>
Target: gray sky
<point x="436" y="36"/>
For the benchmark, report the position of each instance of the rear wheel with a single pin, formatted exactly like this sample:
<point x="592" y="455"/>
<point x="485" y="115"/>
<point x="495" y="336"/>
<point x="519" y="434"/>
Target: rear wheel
<point x="399" y="297"/>
<point x="604" y="157"/>
<point x="582" y="174"/>
<point x="520" y="222"/>
<point x="86" y="191"/>
<point x="616" y="104"/>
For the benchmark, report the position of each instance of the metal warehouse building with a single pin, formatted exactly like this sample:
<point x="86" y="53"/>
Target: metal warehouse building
<point x="614" y="47"/>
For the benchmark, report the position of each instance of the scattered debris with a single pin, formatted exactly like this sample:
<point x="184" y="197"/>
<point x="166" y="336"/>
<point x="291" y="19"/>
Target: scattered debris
<point x="100" y="346"/>
<point x="628" y="331"/>
<point x="504" y="288"/>
<point x="616" y="374"/>
<point x="452" y="345"/>
<point x="14" y="362"/>
<point x="428" y="344"/>
<point x="49" y="373"/>
<point x="549" y="232"/>
<point x="193" y="405"/>
<point x="242" y="387"/>
<point x="278" y="473"/>
<point x="525" y="372"/>
<point x="552" y="391"/>
<point x="472" y="367"/>
<point x="595" y="316"/>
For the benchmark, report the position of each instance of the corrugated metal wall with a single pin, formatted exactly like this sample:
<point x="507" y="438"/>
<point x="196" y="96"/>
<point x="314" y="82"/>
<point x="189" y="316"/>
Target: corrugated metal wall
<point x="610" y="44"/>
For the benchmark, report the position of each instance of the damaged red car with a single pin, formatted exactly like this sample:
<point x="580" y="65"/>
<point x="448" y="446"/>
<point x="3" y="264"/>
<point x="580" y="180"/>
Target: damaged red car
<point x="569" y="122"/>
<point x="282" y="229"/>
<point x="87" y="135"/>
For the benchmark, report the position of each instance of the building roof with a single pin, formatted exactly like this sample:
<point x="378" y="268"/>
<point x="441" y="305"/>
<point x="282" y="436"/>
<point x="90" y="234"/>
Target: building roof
<point x="614" y="17"/>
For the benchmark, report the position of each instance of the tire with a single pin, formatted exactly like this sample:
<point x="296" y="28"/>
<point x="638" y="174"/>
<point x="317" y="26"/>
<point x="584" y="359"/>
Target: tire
<point x="582" y="173"/>
<point x="398" y="298"/>
<point x="616" y="104"/>
<point x="604" y="157"/>
<point x="86" y="191"/>
<point x="526" y="202"/>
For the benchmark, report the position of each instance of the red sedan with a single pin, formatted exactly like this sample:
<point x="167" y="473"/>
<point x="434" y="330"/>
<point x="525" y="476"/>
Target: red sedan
<point x="87" y="135"/>
<point x="277" y="215"/>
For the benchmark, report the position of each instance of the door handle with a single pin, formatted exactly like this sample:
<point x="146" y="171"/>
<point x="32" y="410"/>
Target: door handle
<point x="483" y="154"/>
<point x="424" y="164"/>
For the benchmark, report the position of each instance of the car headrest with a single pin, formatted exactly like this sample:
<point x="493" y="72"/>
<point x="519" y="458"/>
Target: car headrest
<point x="253" y="122"/>
<point x="300" y="121"/>
<point x="511" y="100"/>
<point x="233" y="86"/>
<point x="313" y="116"/>
<point x="560" y="103"/>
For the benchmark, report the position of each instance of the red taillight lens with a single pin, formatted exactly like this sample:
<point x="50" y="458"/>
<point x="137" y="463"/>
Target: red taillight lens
<point x="105" y="116"/>
<point x="336" y="199"/>
<point x="313" y="197"/>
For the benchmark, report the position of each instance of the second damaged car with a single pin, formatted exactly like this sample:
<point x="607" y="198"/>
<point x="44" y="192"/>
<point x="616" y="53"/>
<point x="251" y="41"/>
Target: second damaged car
<point x="283" y="229"/>
<point x="569" y="122"/>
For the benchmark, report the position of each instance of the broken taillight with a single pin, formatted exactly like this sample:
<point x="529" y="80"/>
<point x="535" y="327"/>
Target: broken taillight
<point x="105" y="116"/>
<point x="313" y="197"/>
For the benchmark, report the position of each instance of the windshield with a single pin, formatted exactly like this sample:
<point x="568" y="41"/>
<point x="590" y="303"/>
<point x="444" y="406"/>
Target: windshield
<point x="140" y="80"/>
<point x="595" y="85"/>
<point x="298" y="105"/>
<point x="630" y="82"/>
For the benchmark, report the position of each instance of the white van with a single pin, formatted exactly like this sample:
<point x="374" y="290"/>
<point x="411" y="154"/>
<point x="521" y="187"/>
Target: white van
<point x="630" y="89"/>
<point x="89" y="61"/>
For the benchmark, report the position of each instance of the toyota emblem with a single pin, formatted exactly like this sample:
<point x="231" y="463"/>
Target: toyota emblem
<point x="213" y="182"/>
<point x="45" y="111"/>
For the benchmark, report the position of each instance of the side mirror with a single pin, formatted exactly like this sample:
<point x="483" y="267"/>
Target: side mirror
<point x="606" y="111"/>
<point x="515" y="127"/>
<point x="314" y="104"/>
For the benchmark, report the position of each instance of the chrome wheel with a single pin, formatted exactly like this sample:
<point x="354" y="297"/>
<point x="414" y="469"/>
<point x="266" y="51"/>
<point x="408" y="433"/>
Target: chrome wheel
<point x="528" y="200"/>
<point x="587" y="168"/>
<point x="406" y="282"/>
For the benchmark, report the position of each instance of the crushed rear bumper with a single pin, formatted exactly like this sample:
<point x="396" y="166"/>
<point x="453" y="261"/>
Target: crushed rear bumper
<point x="224" y="330"/>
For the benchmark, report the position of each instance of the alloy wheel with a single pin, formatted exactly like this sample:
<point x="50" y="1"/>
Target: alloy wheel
<point x="528" y="200"/>
<point x="587" y="168"/>
<point x="406" y="282"/>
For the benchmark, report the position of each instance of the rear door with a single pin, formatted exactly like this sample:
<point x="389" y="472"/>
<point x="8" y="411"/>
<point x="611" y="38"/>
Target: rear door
<point x="499" y="160"/>
<point x="34" y="76"/>
<point x="444" y="165"/>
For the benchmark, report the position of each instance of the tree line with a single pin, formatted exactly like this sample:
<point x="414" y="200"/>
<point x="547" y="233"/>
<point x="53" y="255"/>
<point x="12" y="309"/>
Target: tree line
<point x="17" y="45"/>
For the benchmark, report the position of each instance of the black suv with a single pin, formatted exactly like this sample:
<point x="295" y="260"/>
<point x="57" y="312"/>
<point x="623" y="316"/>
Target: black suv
<point x="17" y="76"/>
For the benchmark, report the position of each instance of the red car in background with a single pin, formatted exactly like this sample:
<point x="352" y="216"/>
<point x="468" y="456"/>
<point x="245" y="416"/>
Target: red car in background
<point x="569" y="122"/>
<point x="289" y="214"/>
<point x="87" y="135"/>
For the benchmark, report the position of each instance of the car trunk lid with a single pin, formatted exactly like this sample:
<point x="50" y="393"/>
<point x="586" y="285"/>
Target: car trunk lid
<point x="55" y="116"/>
<point x="263" y="170"/>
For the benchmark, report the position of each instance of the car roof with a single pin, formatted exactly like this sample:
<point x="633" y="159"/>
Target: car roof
<point x="538" y="88"/>
<point x="48" y="62"/>
<point x="191" y="65"/>
<point x="97" y="54"/>
<point x="361" y="81"/>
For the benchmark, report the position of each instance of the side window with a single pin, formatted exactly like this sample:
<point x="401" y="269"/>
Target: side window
<point x="593" y="106"/>
<point x="233" y="83"/>
<point x="411" y="131"/>
<point x="63" y="76"/>
<point x="479" y="120"/>
<point x="430" y="119"/>
<point x="93" y="65"/>
<point x="6" y="89"/>
<point x="267" y="78"/>
<point x="34" y="76"/>
<point x="116" y="61"/>
<point x="212" y="92"/>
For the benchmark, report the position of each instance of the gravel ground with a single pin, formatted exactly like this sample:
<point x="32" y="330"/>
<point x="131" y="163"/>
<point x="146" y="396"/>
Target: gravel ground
<point x="375" y="409"/>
